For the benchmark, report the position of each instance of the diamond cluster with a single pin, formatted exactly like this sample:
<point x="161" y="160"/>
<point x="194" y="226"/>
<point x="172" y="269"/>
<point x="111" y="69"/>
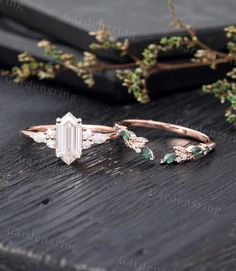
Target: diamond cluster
<point x="50" y="138"/>
<point x="47" y="137"/>
<point x="185" y="154"/>
<point x="90" y="138"/>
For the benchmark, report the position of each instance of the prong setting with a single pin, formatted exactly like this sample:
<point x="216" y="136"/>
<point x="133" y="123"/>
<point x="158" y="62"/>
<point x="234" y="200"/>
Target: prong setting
<point x="58" y="155"/>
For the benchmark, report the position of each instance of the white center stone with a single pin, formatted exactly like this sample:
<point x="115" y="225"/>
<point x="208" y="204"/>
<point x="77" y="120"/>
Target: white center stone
<point x="69" y="138"/>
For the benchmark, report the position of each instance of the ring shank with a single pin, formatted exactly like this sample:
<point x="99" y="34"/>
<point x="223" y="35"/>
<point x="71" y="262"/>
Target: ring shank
<point x="43" y="128"/>
<point x="170" y="128"/>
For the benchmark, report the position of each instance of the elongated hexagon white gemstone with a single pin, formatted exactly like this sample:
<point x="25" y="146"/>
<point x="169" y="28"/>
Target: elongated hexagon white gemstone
<point x="68" y="138"/>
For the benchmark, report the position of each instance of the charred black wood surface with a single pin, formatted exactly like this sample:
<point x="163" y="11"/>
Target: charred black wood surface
<point x="113" y="210"/>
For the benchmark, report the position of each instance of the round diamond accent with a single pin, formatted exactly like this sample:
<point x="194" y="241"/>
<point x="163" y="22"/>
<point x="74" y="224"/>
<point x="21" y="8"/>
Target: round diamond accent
<point x="87" y="144"/>
<point x="87" y="134"/>
<point x="51" y="133"/>
<point x="51" y="143"/>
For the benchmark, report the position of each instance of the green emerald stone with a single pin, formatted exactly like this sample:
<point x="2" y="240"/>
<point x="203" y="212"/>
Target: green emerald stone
<point x="170" y="158"/>
<point x="196" y="150"/>
<point x="147" y="153"/>
<point x="125" y="134"/>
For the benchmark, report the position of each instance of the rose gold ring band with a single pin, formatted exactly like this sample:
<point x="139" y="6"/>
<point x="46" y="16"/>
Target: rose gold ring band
<point x="179" y="153"/>
<point x="43" y="128"/>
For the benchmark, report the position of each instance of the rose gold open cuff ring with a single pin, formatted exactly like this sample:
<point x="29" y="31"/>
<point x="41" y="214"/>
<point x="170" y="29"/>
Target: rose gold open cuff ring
<point x="179" y="153"/>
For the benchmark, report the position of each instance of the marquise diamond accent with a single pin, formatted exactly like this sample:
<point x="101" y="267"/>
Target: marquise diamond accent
<point x="100" y="138"/>
<point x="39" y="137"/>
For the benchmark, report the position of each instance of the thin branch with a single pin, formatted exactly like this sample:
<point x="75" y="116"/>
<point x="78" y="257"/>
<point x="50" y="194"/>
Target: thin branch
<point x="177" y="23"/>
<point x="107" y="67"/>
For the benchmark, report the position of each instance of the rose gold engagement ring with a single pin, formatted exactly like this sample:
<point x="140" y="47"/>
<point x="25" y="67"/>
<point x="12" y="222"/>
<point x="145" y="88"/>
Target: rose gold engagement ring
<point x="69" y="136"/>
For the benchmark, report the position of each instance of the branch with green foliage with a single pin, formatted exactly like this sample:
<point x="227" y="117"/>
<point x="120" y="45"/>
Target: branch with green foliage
<point x="225" y="90"/>
<point x="135" y="73"/>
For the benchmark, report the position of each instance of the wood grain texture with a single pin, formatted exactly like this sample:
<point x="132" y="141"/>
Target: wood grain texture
<point x="112" y="210"/>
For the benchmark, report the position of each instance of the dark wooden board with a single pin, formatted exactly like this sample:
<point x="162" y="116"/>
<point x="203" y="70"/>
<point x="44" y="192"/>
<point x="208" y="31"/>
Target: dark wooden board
<point x="144" y="22"/>
<point x="117" y="210"/>
<point x="15" y="39"/>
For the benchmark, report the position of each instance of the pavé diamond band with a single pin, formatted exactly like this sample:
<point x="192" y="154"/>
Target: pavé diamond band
<point x="69" y="136"/>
